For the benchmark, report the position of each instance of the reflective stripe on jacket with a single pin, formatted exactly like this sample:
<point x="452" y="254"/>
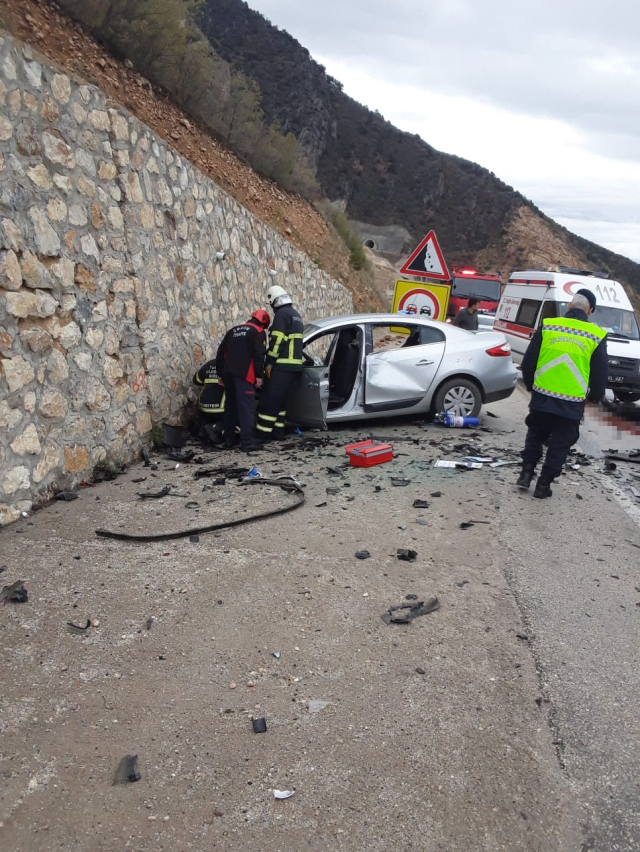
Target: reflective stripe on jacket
<point x="212" y="395"/>
<point x="564" y="361"/>
<point x="285" y="340"/>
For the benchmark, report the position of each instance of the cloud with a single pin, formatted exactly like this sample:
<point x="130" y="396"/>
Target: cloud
<point x="545" y="94"/>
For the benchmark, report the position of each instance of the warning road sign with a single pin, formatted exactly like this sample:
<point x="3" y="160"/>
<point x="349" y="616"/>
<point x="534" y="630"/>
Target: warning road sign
<point x="428" y="300"/>
<point x="427" y="261"/>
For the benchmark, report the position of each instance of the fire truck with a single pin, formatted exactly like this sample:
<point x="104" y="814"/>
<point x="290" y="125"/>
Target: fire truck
<point x="466" y="282"/>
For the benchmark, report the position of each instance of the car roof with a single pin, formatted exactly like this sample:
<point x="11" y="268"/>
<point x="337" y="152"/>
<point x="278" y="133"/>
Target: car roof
<point x="383" y="319"/>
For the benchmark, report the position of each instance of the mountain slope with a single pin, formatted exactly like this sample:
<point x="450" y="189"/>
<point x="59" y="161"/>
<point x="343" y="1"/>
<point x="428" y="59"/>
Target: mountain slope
<point x="384" y="176"/>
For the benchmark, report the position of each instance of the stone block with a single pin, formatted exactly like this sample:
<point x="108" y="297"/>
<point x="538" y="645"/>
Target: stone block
<point x="64" y="271"/>
<point x="12" y="235"/>
<point x="46" y="239"/>
<point x="6" y="129"/>
<point x="107" y="171"/>
<point x="53" y="405"/>
<point x="27" y="442"/>
<point x="57" y="368"/>
<point x="76" y="458"/>
<point x="10" y="272"/>
<point x="39" y="175"/>
<point x="99" y="119"/>
<point x="86" y="187"/>
<point x="37" y="339"/>
<point x="70" y="335"/>
<point x="97" y="216"/>
<point x="50" y="461"/>
<point x="89" y="247"/>
<point x="78" y="216"/>
<point x="16" y="479"/>
<point x="57" y="151"/>
<point x="30" y="303"/>
<point x="97" y="397"/>
<point x="49" y="109"/>
<point x="57" y="210"/>
<point x="17" y="371"/>
<point x="6" y="341"/>
<point x="61" y="88"/>
<point x="33" y="73"/>
<point x="9" y="417"/>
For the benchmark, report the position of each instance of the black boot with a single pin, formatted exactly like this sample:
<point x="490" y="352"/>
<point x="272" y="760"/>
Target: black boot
<point x="543" y="488"/>
<point x="526" y="475"/>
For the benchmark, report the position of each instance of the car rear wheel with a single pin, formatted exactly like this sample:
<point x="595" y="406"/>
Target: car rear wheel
<point x="460" y="397"/>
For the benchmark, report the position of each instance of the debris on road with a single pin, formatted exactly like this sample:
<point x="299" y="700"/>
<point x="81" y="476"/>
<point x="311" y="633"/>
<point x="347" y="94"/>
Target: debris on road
<point x="362" y="554"/>
<point x="67" y="496"/>
<point x="405" y="613"/>
<point x="399" y="482"/>
<point x="15" y="593"/>
<point x="632" y="456"/>
<point x="436" y="493"/>
<point x="283" y="794"/>
<point x="444" y="418"/>
<point x="155" y="495"/>
<point x="259" y="726"/>
<point x="315" y="705"/>
<point x="127" y="771"/>
<point x="406" y="555"/>
<point x="420" y="504"/>
<point x="453" y="463"/>
<point x="78" y="628"/>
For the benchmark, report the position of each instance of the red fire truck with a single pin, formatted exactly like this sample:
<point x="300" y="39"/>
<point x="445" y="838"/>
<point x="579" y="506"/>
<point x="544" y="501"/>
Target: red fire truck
<point x="466" y="282"/>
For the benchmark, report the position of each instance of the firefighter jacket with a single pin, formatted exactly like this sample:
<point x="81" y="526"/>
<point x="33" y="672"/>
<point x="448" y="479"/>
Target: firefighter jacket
<point x="241" y="353"/>
<point x="570" y="365"/>
<point x="212" y="394"/>
<point x="285" y="340"/>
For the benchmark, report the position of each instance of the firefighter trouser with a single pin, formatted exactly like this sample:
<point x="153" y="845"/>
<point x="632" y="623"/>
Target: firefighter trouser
<point x="240" y="408"/>
<point x="272" y="409"/>
<point x="560" y="433"/>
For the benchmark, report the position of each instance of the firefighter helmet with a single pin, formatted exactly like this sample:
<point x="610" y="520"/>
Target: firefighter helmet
<point x="262" y="317"/>
<point x="277" y="296"/>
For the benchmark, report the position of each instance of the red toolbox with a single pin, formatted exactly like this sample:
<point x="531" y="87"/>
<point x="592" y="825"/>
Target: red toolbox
<point x="368" y="453"/>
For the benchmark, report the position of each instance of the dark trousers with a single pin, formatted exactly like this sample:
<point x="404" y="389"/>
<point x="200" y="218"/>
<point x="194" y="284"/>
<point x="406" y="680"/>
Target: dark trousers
<point x="240" y="409"/>
<point x="272" y="410"/>
<point x="560" y="433"/>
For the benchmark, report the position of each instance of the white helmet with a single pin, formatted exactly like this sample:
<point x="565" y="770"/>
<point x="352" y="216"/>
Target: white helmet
<point x="277" y="296"/>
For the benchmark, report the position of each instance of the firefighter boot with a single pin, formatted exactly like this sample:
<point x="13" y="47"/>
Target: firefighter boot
<point x="526" y="475"/>
<point x="543" y="488"/>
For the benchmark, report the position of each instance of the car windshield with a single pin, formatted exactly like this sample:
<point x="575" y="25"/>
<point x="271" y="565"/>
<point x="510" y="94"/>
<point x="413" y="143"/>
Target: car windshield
<point x="615" y="321"/>
<point x="481" y="288"/>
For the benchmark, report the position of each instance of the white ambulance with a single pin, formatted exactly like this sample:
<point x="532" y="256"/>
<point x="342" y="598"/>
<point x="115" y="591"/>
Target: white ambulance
<point x="535" y="294"/>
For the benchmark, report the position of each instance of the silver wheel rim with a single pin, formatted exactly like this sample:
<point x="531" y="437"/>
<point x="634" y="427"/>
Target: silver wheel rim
<point x="459" y="401"/>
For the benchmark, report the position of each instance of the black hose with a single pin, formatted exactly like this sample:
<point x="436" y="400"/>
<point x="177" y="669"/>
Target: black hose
<point x="287" y="484"/>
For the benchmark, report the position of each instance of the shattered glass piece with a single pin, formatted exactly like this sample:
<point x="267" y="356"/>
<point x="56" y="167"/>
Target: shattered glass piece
<point x="127" y="771"/>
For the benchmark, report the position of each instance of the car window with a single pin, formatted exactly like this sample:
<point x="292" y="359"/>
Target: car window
<point x="428" y="334"/>
<point x="386" y="338"/>
<point x="318" y="350"/>
<point x="527" y="313"/>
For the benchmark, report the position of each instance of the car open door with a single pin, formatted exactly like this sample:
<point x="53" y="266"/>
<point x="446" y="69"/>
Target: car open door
<point x="309" y="397"/>
<point x="400" y="378"/>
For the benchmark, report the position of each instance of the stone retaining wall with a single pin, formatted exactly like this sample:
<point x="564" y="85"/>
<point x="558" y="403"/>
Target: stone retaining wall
<point x="110" y="290"/>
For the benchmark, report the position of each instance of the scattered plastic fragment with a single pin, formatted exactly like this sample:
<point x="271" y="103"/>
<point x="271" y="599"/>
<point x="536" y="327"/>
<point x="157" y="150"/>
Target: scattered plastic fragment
<point x="283" y="794"/>
<point x="183" y="456"/>
<point x="315" y="705"/>
<point x="67" y="496"/>
<point x="78" y="628"/>
<point x="452" y="463"/>
<point x="420" y="504"/>
<point x="194" y="539"/>
<point x="15" y="593"/>
<point x="149" y="623"/>
<point x="253" y="473"/>
<point x="479" y="459"/>
<point x="321" y="505"/>
<point x="333" y="490"/>
<point x="362" y="554"/>
<point x="405" y="613"/>
<point x="259" y="726"/>
<point x="399" y="483"/>
<point x="3" y="568"/>
<point x="155" y="495"/>
<point x="436" y="493"/>
<point x="192" y="504"/>
<point x="276" y="654"/>
<point x="127" y="771"/>
<point x="503" y="463"/>
<point x="465" y="525"/>
<point x="422" y="521"/>
<point x="609" y="465"/>
<point x="145" y="457"/>
<point x="411" y="597"/>
<point x="420" y="670"/>
<point x="406" y="555"/>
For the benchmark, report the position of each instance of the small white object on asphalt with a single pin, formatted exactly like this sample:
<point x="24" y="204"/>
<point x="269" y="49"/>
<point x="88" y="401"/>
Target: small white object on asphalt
<point x="315" y="705"/>
<point x="283" y="794"/>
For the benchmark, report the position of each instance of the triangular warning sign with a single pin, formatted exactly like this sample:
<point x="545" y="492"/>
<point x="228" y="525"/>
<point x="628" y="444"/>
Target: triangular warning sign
<point x="427" y="261"/>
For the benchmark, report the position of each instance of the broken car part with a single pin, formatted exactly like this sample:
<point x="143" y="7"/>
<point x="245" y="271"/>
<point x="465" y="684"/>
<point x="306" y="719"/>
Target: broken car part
<point x="127" y="771"/>
<point x="259" y="726"/>
<point x="420" y="504"/>
<point x="406" y="555"/>
<point x="155" y="495"/>
<point x="287" y="484"/>
<point x="15" y="593"/>
<point x="78" y="628"/>
<point x="67" y="496"/>
<point x="362" y="554"/>
<point x="405" y="613"/>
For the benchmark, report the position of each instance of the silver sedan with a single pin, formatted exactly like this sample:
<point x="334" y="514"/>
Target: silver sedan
<point x="371" y="365"/>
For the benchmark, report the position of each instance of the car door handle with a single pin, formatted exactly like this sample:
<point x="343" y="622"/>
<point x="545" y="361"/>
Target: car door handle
<point x="423" y="363"/>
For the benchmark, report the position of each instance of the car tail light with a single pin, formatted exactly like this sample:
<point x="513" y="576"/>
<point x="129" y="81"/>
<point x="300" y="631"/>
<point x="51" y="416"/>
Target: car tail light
<point x="499" y="350"/>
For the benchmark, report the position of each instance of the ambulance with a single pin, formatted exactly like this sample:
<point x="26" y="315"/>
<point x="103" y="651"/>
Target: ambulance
<point x="535" y="294"/>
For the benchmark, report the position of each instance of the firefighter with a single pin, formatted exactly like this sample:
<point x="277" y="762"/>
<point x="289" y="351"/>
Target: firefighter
<point x="240" y="364"/>
<point x="284" y="363"/>
<point x="564" y="365"/>
<point x="211" y="400"/>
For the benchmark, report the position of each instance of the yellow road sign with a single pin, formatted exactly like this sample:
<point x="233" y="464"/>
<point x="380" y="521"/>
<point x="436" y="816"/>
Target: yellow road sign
<point x="427" y="299"/>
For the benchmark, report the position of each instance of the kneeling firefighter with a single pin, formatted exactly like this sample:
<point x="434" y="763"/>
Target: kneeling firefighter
<point x="240" y="364"/>
<point x="284" y="363"/>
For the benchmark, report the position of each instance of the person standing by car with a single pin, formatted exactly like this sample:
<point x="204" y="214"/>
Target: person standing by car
<point x="284" y="363"/>
<point x="240" y="366"/>
<point x="564" y="365"/>
<point x="467" y="318"/>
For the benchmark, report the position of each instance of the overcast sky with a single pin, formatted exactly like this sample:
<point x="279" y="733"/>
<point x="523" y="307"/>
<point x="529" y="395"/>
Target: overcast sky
<point x="544" y="94"/>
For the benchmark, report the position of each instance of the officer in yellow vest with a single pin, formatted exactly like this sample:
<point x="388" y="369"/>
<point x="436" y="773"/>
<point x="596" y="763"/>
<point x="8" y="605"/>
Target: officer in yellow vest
<point x="564" y="365"/>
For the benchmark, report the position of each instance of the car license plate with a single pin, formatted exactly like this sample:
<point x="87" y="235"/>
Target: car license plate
<point x="615" y="379"/>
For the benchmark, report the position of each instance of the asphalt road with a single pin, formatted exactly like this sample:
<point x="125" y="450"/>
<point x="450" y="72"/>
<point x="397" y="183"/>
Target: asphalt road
<point x="505" y="720"/>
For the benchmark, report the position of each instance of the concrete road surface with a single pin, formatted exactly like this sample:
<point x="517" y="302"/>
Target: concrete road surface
<point x="504" y="720"/>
